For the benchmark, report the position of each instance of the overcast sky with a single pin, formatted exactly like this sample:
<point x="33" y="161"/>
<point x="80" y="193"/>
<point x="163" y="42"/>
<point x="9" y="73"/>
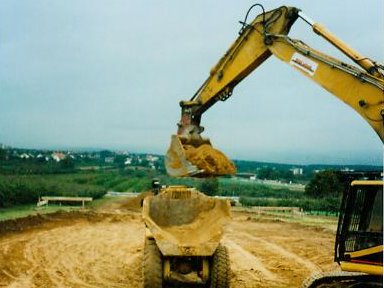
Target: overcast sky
<point x="110" y="74"/>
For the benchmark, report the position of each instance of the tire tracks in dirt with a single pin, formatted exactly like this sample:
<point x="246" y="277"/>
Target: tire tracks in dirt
<point x="104" y="249"/>
<point x="247" y="268"/>
<point x="272" y="261"/>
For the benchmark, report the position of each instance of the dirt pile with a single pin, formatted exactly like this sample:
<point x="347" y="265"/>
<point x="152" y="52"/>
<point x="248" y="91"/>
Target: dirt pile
<point x="212" y="161"/>
<point x="188" y="156"/>
<point x="135" y="203"/>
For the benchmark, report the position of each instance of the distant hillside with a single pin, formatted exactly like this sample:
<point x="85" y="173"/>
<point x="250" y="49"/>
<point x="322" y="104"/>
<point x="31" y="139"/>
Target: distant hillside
<point x="253" y="166"/>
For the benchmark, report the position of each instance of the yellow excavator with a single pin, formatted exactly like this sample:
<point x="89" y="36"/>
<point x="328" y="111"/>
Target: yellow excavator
<point x="359" y="241"/>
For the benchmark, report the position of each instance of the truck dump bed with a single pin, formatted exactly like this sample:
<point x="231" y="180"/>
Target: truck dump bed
<point x="184" y="221"/>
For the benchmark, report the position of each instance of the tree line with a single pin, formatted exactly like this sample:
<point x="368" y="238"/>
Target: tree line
<point x="323" y="193"/>
<point x="24" y="182"/>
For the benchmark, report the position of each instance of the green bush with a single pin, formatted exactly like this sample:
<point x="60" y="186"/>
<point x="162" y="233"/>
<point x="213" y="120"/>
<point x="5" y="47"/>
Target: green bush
<point x="251" y="189"/>
<point x="325" y="184"/>
<point x="17" y="190"/>
<point x="307" y="204"/>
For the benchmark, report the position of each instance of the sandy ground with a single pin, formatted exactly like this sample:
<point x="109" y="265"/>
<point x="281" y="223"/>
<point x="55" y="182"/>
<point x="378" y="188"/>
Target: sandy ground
<point x="104" y="249"/>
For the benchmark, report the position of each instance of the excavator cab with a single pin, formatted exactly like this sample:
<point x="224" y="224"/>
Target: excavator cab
<point x="359" y="236"/>
<point x="359" y="239"/>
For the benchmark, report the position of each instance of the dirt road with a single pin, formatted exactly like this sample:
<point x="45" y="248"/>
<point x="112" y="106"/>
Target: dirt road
<point x="104" y="249"/>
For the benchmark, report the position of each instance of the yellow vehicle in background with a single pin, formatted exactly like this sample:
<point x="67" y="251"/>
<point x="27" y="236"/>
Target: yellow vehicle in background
<point x="359" y="241"/>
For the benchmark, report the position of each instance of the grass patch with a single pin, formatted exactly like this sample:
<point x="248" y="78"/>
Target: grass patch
<point x="21" y="211"/>
<point x="30" y="210"/>
<point x="325" y="222"/>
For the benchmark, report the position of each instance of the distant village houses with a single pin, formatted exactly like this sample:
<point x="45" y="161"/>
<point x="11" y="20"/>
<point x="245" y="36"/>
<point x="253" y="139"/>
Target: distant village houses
<point x="297" y="171"/>
<point x="109" y="160"/>
<point x="151" y="158"/>
<point x="58" y="156"/>
<point x="25" y="156"/>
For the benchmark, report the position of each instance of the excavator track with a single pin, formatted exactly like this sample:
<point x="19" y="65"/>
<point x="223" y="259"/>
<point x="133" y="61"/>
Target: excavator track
<point x="343" y="280"/>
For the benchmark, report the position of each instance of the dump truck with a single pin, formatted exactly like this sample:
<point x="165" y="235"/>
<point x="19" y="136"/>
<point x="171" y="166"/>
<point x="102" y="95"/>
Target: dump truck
<point x="183" y="235"/>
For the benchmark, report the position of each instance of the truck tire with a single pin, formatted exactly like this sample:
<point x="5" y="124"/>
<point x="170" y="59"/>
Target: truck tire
<point x="152" y="265"/>
<point x="220" y="268"/>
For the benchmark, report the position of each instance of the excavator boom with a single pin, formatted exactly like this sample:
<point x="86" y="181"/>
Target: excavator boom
<point x="362" y="88"/>
<point x="189" y="153"/>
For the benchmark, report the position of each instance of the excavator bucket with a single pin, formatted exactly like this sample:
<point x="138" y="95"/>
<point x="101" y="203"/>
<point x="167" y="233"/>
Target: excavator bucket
<point x="196" y="157"/>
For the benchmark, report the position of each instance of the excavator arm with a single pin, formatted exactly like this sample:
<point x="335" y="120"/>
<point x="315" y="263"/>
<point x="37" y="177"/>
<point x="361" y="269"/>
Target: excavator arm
<point x="362" y="87"/>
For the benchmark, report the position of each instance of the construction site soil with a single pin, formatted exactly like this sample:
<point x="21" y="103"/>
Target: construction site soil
<point x="103" y="248"/>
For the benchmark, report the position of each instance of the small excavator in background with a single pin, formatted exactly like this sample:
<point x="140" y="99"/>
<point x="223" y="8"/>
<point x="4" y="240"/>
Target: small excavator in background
<point x="359" y="237"/>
